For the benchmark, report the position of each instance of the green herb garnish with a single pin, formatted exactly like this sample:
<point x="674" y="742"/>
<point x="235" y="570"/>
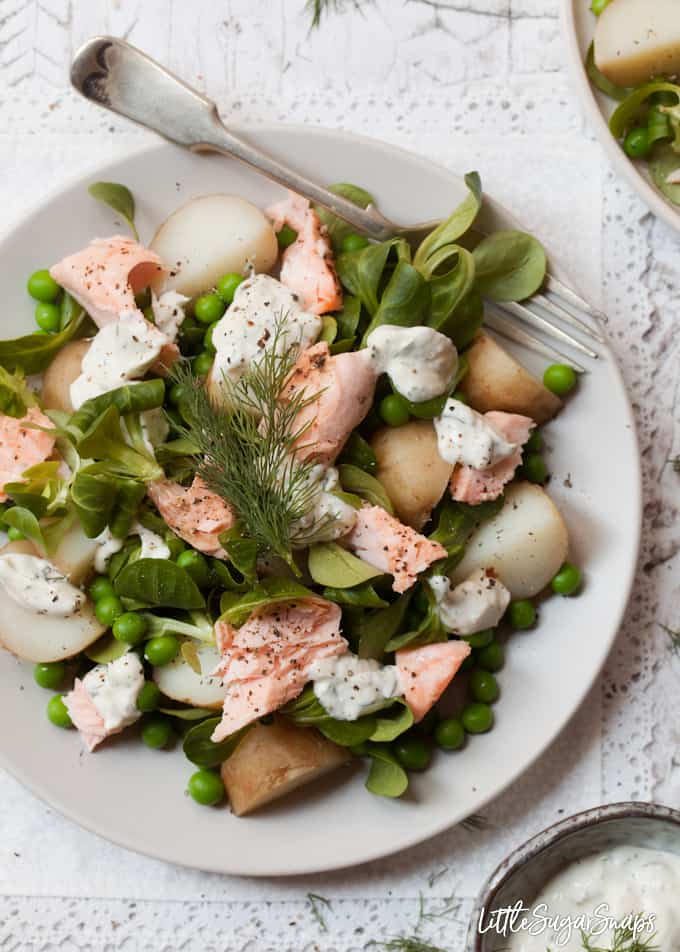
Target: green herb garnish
<point x="316" y="902"/>
<point x="623" y="940"/>
<point x="320" y="8"/>
<point x="119" y="198"/>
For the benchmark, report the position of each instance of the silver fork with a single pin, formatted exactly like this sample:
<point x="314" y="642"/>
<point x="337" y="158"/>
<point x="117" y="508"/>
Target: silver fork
<point x="121" y="78"/>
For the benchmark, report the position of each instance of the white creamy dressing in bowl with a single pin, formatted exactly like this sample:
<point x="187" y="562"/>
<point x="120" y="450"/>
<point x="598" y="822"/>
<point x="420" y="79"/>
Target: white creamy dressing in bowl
<point x="474" y="605"/>
<point x="113" y="689"/>
<point x="466" y="437"/>
<point x="420" y="362"/>
<point x="39" y="586"/>
<point x="349" y="687"/>
<point x="328" y="516"/>
<point x="625" y="881"/>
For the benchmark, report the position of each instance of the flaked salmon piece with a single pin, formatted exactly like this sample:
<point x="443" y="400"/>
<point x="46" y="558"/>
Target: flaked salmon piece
<point x="22" y="447"/>
<point x="381" y="540"/>
<point x="426" y="672"/>
<point x="194" y="512"/>
<point x="105" y="276"/>
<point x="266" y="662"/>
<point x="307" y="266"/>
<point x="343" y="387"/>
<point x="474" y="486"/>
<point x="85" y="716"/>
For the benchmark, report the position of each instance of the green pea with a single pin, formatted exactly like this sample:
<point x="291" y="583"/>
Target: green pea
<point x="483" y="686"/>
<point x="107" y="609"/>
<point x="208" y="339"/>
<point x="57" y="713"/>
<point x="209" y="308"/>
<point x="49" y="675"/>
<point x="286" y="236"/>
<point x="535" y="442"/>
<point x="16" y="535"/>
<point x="450" y="734"/>
<point x="42" y="287"/>
<point x="176" y="394"/>
<point x="636" y="143"/>
<point x="202" y="363"/>
<point x="102" y="587"/>
<point x="535" y="469"/>
<point x="559" y="379"/>
<point x="567" y="581"/>
<point x="394" y="410"/>
<point x="149" y="697"/>
<point x="176" y="546"/>
<point x="47" y="316"/>
<point x="157" y="731"/>
<point x="597" y="6"/>
<point x="196" y="565"/>
<point x="353" y="242"/>
<point x="226" y="286"/>
<point x="206" y="788"/>
<point x="161" y="650"/>
<point x="477" y="718"/>
<point x="522" y="614"/>
<point x="129" y="627"/>
<point x="480" y="639"/>
<point x="412" y="752"/>
<point x="460" y="397"/>
<point x="492" y="658"/>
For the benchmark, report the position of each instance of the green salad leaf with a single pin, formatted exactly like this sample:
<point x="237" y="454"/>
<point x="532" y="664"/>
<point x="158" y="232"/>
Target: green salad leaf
<point x="386" y="778"/>
<point x="329" y="329"/>
<point x="329" y="564"/>
<point x="104" y="440"/>
<point x="362" y="271"/>
<point x="243" y="556"/>
<point x="627" y="114"/>
<point x="509" y="266"/>
<point x="159" y="582"/>
<point x="361" y="483"/>
<point x="188" y="713"/>
<point x="130" y="494"/>
<point x="453" y="227"/>
<point x="404" y="302"/>
<point x="130" y="398"/>
<point x="347" y="733"/>
<point x="600" y="81"/>
<point x="33" y="353"/>
<point x="15" y="394"/>
<point x="389" y="722"/>
<point x="119" y="198"/>
<point x="193" y="624"/>
<point x="665" y="160"/>
<point x="200" y="750"/>
<point x="361" y="596"/>
<point x="428" y="630"/>
<point x="348" y="318"/>
<point x="448" y="288"/>
<point x="375" y="629"/>
<point x="23" y="519"/>
<point x="268" y="592"/>
<point x="456" y="521"/>
<point x="358" y="452"/>
<point x="463" y="323"/>
<point x="105" y="649"/>
<point x="395" y="721"/>
<point x="93" y="495"/>
<point x="338" y="228"/>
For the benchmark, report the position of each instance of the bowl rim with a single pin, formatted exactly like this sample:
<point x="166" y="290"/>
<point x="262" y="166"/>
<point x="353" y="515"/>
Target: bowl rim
<point x="528" y="851"/>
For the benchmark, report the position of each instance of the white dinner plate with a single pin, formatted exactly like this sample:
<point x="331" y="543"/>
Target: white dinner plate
<point x="579" y="25"/>
<point x="135" y="796"/>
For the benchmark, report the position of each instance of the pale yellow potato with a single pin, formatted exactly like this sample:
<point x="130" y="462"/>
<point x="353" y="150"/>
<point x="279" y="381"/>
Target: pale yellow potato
<point x="179" y="681"/>
<point x="43" y="638"/>
<point x="526" y="543"/>
<point x="496" y="381"/>
<point x="74" y="556"/>
<point x="57" y="379"/>
<point x="637" y="40"/>
<point x="211" y="236"/>
<point x="410" y="468"/>
<point x="272" y="761"/>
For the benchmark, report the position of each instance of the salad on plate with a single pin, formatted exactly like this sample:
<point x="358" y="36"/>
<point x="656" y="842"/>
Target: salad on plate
<point x="269" y="489"/>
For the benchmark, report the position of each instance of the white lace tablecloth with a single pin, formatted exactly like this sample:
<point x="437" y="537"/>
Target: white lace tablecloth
<point x="473" y="84"/>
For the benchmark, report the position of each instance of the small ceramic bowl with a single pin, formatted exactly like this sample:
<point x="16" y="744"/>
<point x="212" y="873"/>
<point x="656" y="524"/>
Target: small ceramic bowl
<point x="526" y="871"/>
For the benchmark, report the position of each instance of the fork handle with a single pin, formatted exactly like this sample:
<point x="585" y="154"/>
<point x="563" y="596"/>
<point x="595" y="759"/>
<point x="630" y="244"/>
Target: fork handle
<point x="118" y="76"/>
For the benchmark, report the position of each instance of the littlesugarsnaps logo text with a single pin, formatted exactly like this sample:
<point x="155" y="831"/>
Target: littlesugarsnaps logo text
<point x="539" y="920"/>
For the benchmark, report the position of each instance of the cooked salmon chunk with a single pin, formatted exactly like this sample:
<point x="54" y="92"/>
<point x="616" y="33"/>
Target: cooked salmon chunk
<point x="342" y="388"/>
<point x="266" y="662"/>
<point x="194" y="512"/>
<point x="426" y="672"/>
<point x="307" y="266"/>
<point x="105" y="276"/>
<point x="474" y="486"/>
<point x="381" y="540"/>
<point x="22" y="446"/>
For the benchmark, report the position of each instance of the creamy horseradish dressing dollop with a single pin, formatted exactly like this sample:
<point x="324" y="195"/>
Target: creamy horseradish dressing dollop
<point x="247" y="329"/>
<point x="39" y="586"/>
<point x="153" y="546"/>
<point x="168" y="312"/>
<point x="122" y="351"/>
<point x="630" y="881"/>
<point x="476" y="604"/>
<point x="328" y="516"/>
<point x="349" y="687"/>
<point x="465" y="436"/>
<point x="113" y="689"/>
<point x="420" y="362"/>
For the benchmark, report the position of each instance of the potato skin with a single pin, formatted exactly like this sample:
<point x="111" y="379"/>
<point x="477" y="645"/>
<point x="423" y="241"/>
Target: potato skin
<point x="410" y="468"/>
<point x="273" y="760"/>
<point x="57" y="379"/>
<point x="496" y="381"/>
<point x="526" y="542"/>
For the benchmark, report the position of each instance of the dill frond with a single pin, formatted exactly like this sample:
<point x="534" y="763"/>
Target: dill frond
<point x="245" y="443"/>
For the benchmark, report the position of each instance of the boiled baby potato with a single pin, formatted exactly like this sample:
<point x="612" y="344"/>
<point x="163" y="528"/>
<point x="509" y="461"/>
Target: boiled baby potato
<point x="526" y="543"/>
<point x="74" y="555"/>
<point x="179" y="681"/>
<point x="410" y="468"/>
<point x="57" y="379"/>
<point x="210" y="236"/>
<point x="636" y="40"/>
<point x="44" y="638"/>
<point x="273" y="760"/>
<point x="496" y="381"/>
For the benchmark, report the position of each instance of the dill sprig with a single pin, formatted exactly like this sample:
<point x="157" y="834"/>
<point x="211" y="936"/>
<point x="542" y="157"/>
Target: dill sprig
<point x="320" y="8"/>
<point x="623" y="940"/>
<point x="316" y="901"/>
<point x="244" y="443"/>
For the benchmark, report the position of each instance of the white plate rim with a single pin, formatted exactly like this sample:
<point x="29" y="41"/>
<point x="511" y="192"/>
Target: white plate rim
<point x="626" y="168"/>
<point x="420" y="833"/>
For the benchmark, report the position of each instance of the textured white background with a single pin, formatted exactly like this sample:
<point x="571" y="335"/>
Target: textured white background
<point x="473" y="84"/>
